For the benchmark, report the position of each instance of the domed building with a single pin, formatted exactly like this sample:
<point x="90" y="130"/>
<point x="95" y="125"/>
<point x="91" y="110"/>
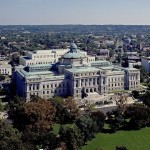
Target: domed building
<point x="74" y="74"/>
<point x="73" y="58"/>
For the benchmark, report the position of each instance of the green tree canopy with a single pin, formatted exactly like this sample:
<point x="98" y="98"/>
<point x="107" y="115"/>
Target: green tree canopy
<point x="10" y="138"/>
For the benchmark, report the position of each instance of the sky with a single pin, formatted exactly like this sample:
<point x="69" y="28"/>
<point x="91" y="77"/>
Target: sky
<point x="47" y="12"/>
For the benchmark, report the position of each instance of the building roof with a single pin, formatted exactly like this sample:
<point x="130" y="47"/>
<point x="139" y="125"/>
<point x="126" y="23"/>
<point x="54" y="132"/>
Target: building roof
<point x="26" y="58"/>
<point x="101" y="63"/>
<point x="74" y="53"/>
<point x="82" y="69"/>
<point x="40" y="75"/>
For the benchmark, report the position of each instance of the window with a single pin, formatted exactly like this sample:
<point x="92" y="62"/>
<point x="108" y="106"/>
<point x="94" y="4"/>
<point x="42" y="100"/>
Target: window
<point x="43" y="86"/>
<point x="43" y="92"/>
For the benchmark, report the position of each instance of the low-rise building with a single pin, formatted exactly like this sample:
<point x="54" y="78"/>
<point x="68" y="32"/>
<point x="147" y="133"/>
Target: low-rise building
<point x="42" y="57"/>
<point x="5" y="68"/>
<point x="146" y="63"/>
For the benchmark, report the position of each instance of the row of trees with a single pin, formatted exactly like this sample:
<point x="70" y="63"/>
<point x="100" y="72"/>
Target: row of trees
<point x="134" y="116"/>
<point x="82" y="131"/>
<point x="33" y="124"/>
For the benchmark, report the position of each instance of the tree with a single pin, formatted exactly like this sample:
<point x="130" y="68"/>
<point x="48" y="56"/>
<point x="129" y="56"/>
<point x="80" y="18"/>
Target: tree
<point x="14" y="112"/>
<point x="2" y="77"/>
<point x="72" y="108"/>
<point x="135" y="94"/>
<point x="71" y="136"/>
<point x="138" y="116"/>
<point x="122" y="102"/>
<point x="10" y="138"/>
<point x="99" y="118"/>
<point x="66" y="109"/>
<point x="115" y="119"/>
<point x="143" y="73"/>
<point x="58" y="104"/>
<point x="121" y="148"/>
<point x="146" y="98"/>
<point x="45" y="139"/>
<point x="87" y="127"/>
<point x="33" y="115"/>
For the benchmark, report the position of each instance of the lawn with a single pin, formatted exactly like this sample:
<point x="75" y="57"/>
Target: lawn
<point x="133" y="140"/>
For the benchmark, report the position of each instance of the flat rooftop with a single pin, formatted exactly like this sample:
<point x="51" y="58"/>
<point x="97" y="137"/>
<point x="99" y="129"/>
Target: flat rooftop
<point x="40" y="75"/>
<point x="82" y="69"/>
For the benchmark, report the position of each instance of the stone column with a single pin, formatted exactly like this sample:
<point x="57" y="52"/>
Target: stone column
<point x="79" y="82"/>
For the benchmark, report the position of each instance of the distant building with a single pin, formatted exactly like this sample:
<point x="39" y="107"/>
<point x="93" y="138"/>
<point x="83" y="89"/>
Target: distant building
<point x="74" y="75"/>
<point x="146" y="63"/>
<point x="109" y="43"/>
<point x="5" y="68"/>
<point x="104" y="52"/>
<point x="2" y="37"/>
<point x="127" y="40"/>
<point x="2" y="57"/>
<point x="131" y="64"/>
<point x="42" y="57"/>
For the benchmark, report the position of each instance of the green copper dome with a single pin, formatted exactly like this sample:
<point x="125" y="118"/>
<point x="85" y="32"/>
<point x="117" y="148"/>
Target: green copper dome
<point x="74" y="53"/>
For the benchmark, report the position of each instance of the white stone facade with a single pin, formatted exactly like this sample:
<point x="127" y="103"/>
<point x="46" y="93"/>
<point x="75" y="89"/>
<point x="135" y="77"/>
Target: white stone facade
<point x="42" y="57"/>
<point x="71" y="77"/>
<point x="5" y="68"/>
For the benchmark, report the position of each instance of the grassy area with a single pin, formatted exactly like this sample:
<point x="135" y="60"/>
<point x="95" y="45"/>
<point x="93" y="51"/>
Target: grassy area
<point x="133" y="140"/>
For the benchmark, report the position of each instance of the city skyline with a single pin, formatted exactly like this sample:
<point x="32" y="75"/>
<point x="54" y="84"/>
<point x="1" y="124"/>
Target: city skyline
<point x="48" y="12"/>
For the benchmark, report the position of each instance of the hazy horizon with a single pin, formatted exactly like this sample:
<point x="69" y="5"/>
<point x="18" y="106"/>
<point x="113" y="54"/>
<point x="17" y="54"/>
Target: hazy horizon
<point x="74" y="12"/>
